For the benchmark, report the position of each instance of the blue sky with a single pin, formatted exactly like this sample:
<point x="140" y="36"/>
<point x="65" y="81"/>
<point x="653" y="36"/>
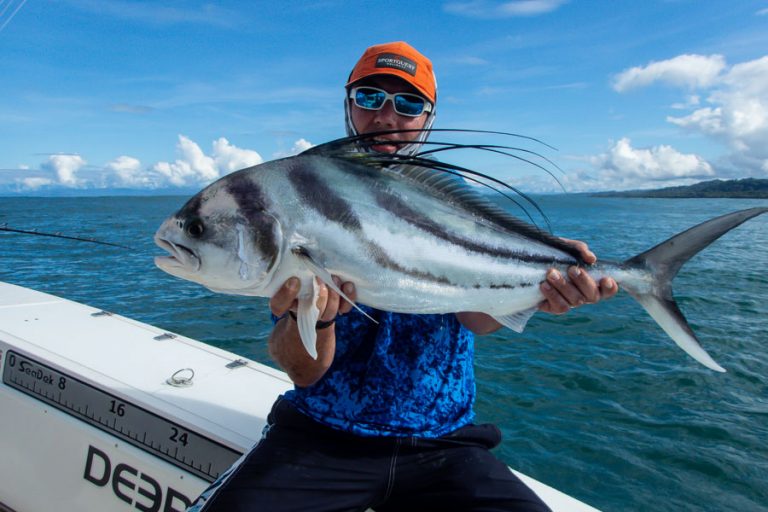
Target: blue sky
<point x="102" y="94"/>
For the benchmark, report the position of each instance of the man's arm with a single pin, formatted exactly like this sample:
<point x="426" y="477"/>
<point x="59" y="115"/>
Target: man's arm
<point x="285" y="345"/>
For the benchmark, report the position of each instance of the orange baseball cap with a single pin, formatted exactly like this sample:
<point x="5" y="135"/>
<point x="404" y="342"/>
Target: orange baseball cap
<point x="399" y="59"/>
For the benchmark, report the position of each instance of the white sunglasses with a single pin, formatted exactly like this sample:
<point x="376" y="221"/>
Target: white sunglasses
<point x="405" y="104"/>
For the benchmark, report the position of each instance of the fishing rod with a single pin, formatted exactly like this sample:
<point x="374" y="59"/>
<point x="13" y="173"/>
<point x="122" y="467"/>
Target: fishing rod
<point x="4" y="227"/>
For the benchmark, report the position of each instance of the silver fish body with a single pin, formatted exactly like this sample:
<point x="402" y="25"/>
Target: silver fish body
<point x="406" y="248"/>
<point x="411" y="238"/>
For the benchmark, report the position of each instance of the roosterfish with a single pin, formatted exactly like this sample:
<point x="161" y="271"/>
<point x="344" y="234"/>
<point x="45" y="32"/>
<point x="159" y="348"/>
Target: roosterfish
<point x="408" y="232"/>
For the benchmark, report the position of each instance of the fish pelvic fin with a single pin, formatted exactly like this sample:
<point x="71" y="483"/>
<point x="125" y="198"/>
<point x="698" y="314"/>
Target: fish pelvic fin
<point x="516" y="321"/>
<point x="307" y="315"/>
<point x="326" y="277"/>
<point x="663" y="263"/>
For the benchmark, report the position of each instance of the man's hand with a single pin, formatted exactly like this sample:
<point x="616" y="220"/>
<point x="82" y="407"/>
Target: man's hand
<point x="285" y="344"/>
<point x="329" y="302"/>
<point x="579" y="288"/>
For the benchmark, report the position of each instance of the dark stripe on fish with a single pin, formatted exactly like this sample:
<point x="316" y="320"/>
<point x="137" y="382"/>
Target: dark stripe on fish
<point x="503" y="286"/>
<point x="381" y="257"/>
<point x="400" y="209"/>
<point x="253" y="205"/>
<point x="247" y="194"/>
<point x="191" y="208"/>
<point x="319" y="196"/>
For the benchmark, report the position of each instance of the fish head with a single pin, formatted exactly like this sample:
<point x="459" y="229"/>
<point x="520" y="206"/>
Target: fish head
<point x="229" y="243"/>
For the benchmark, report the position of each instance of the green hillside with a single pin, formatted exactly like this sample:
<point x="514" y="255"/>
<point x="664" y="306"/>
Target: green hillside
<point x="745" y="188"/>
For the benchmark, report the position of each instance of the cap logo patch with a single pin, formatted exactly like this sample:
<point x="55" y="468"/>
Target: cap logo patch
<point x="392" y="60"/>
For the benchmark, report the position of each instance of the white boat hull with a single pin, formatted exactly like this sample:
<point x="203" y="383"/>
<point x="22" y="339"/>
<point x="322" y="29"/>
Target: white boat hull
<point x="99" y="412"/>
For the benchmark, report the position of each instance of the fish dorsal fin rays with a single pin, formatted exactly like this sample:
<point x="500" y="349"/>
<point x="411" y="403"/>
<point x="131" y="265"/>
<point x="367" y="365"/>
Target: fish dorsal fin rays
<point x="516" y="321"/>
<point x="452" y="187"/>
<point x="446" y="181"/>
<point x="360" y="146"/>
<point x="366" y="140"/>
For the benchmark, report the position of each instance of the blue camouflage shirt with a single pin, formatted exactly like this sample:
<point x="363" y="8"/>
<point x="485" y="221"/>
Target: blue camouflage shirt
<point x="410" y="375"/>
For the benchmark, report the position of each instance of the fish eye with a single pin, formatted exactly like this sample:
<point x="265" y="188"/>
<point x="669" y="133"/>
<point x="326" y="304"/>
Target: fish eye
<point x="194" y="228"/>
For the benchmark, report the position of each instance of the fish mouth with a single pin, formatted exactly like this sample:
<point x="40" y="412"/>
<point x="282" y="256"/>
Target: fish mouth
<point x="179" y="256"/>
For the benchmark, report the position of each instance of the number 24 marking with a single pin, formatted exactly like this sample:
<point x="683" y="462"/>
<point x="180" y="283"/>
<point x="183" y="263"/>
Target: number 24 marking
<point x="179" y="437"/>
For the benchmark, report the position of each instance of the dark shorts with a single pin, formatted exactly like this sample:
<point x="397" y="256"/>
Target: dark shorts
<point x="303" y="465"/>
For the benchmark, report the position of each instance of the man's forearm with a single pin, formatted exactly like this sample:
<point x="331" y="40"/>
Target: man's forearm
<point x="287" y="349"/>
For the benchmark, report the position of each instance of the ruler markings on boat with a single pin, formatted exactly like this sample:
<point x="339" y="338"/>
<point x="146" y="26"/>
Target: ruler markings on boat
<point x="138" y="426"/>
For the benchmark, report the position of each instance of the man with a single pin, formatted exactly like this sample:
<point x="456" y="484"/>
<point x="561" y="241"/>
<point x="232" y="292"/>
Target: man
<point x="383" y="417"/>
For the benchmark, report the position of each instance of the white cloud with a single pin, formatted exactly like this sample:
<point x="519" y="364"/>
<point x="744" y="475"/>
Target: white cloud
<point x="65" y="168"/>
<point x="738" y="112"/>
<point x="193" y="168"/>
<point x="684" y="70"/>
<point x="625" y="167"/>
<point x="622" y="167"/>
<point x="35" y="183"/>
<point x="130" y="109"/>
<point x="707" y="120"/>
<point x="159" y="14"/>
<point x="298" y="146"/>
<point x="490" y="9"/>
<point x="470" y="60"/>
<point x="735" y="106"/>
<point x="128" y="171"/>
<point x="196" y="168"/>
<point x="691" y="101"/>
<point x="656" y="163"/>
<point x="229" y="158"/>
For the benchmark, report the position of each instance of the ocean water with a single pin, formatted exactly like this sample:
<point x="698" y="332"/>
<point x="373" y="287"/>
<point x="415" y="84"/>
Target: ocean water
<point x="598" y="403"/>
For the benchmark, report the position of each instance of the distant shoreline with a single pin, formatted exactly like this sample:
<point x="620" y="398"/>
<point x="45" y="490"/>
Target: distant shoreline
<point x="747" y="188"/>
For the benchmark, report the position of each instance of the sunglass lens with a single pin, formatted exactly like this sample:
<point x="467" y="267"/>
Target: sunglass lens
<point x="409" y="104"/>
<point x="369" y="98"/>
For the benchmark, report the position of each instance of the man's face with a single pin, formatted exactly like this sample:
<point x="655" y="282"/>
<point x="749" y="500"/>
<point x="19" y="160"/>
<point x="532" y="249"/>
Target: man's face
<point x="368" y="121"/>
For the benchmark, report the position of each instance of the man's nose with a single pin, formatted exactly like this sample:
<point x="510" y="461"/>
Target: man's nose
<point x="386" y="115"/>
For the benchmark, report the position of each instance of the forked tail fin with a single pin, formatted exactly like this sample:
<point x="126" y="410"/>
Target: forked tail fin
<point x="664" y="261"/>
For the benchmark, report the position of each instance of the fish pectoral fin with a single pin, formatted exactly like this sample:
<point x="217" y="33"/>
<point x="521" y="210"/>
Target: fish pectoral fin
<point x="326" y="277"/>
<point x="516" y="321"/>
<point x="307" y="315"/>
<point x="244" y="252"/>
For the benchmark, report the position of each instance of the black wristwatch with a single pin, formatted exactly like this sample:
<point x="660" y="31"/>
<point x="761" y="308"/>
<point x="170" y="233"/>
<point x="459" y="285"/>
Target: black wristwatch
<point x="320" y="325"/>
